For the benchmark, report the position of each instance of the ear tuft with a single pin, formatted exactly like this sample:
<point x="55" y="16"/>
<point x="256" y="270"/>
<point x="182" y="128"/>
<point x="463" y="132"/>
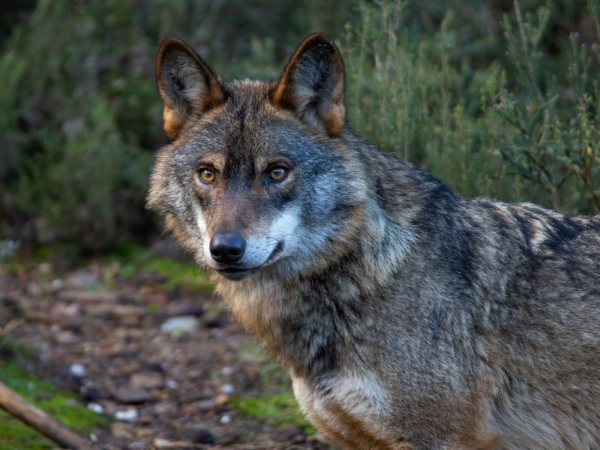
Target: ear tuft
<point x="312" y="85"/>
<point x="187" y="85"/>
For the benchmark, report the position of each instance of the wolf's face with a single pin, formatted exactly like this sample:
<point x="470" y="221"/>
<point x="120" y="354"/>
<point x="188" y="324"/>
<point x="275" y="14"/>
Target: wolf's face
<point x="252" y="178"/>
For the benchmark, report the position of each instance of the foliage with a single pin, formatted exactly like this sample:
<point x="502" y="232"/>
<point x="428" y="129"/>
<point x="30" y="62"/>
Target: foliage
<point x="413" y="96"/>
<point x="511" y="116"/>
<point x="487" y="125"/>
<point x="80" y="113"/>
<point x="553" y="136"/>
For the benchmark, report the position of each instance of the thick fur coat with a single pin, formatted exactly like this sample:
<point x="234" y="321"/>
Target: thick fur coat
<point x="409" y="317"/>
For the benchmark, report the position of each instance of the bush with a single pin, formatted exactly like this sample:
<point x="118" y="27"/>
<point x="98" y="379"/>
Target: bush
<point x="491" y="104"/>
<point x="509" y="126"/>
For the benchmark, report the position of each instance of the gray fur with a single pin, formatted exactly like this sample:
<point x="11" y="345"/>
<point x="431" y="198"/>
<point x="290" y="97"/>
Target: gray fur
<point x="408" y="316"/>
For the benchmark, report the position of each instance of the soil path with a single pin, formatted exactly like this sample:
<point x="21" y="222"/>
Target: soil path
<point x="168" y="366"/>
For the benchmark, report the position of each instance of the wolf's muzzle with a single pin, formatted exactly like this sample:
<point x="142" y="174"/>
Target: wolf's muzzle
<point x="227" y="248"/>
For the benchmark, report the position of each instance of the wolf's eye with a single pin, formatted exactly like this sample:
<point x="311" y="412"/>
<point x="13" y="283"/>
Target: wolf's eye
<point x="278" y="174"/>
<point x="207" y="175"/>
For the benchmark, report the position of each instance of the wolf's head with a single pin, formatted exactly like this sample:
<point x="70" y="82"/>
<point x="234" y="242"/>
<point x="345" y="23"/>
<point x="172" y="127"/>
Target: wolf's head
<point x="258" y="175"/>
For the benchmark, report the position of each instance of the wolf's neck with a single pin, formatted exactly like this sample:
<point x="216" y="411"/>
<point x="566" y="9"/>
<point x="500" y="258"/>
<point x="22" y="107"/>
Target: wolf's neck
<point x="309" y="323"/>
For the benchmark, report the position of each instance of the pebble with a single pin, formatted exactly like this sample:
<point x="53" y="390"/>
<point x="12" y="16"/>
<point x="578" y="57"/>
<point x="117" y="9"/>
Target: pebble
<point x="225" y="420"/>
<point x="171" y="384"/>
<point x="129" y="416"/>
<point x="131" y="395"/>
<point x="57" y="285"/>
<point x="137" y="446"/>
<point x="146" y="380"/>
<point x="73" y="310"/>
<point x="122" y="430"/>
<point x="158" y="442"/>
<point x="227" y="389"/>
<point x="66" y="337"/>
<point x="98" y="409"/>
<point x="78" y="370"/>
<point x="178" y="326"/>
<point x="206" y="405"/>
<point x="221" y="399"/>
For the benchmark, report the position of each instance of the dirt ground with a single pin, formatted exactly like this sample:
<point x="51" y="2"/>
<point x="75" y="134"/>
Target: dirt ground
<point x="164" y="362"/>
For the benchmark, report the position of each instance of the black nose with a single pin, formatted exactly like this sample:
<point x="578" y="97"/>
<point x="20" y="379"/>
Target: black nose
<point x="227" y="248"/>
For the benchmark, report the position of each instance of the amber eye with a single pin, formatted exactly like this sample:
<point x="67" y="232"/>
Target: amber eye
<point x="277" y="174"/>
<point x="207" y="175"/>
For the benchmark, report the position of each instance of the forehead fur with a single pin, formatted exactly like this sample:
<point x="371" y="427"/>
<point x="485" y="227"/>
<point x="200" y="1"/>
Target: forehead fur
<point x="248" y="124"/>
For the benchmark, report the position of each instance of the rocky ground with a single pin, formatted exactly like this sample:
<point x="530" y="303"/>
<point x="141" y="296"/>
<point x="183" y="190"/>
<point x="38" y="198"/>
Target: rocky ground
<point x="162" y="360"/>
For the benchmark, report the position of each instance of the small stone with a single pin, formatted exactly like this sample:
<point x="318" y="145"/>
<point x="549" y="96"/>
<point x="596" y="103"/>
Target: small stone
<point x="110" y="407"/>
<point x="66" y="337"/>
<point x="227" y="389"/>
<point x="56" y="286"/>
<point x="146" y="380"/>
<point x="122" y="430"/>
<point x="82" y="278"/>
<point x="130" y="320"/>
<point x="128" y="416"/>
<point x="166" y="408"/>
<point x="78" y="370"/>
<point x="98" y="409"/>
<point x="73" y="310"/>
<point x="221" y="399"/>
<point x="179" y="326"/>
<point x="225" y="420"/>
<point x="172" y="384"/>
<point x="145" y="433"/>
<point x="161" y="443"/>
<point x="206" y="405"/>
<point x="131" y="395"/>
<point x="137" y="446"/>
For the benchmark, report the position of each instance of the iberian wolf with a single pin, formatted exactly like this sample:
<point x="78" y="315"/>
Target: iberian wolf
<point x="409" y="317"/>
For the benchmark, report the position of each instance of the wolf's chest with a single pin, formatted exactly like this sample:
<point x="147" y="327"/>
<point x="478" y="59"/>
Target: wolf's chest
<point x="353" y="410"/>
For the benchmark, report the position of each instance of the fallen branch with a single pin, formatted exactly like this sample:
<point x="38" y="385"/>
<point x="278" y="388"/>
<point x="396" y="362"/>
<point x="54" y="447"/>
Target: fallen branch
<point x="42" y="422"/>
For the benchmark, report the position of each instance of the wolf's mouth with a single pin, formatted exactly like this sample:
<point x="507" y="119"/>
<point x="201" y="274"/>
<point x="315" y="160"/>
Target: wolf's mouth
<point x="239" y="273"/>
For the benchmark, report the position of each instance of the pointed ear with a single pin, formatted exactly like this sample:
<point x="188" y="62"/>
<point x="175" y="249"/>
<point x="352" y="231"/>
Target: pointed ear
<point x="312" y="85"/>
<point x="187" y="85"/>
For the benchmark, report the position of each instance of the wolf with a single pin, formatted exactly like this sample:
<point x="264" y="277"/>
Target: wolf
<point x="409" y="317"/>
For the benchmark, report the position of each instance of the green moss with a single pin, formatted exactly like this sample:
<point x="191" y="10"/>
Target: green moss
<point x="276" y="409"/>
<point x="58" y="403"/>
<point x="179" y="274"/>
<point x="275" y="400"/>
<point x="15" y="434"/>
<point x="184" y="275"/>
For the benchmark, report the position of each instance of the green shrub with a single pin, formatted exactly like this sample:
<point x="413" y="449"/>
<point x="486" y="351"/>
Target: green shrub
<point x="481" y="124"/>
<point x="435" y="82"/>
<point x="80" y="114"/>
